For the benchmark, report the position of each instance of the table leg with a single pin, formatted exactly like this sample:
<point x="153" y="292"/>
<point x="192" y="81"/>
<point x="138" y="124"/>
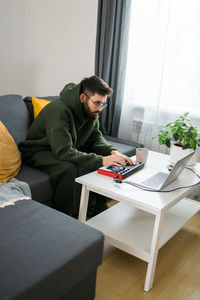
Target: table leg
<point x="83" y="204"/>
<point x="154" y="252"/>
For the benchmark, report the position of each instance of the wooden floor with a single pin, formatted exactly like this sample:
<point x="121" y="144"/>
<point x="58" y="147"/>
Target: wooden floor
<point x="177" y="277"/>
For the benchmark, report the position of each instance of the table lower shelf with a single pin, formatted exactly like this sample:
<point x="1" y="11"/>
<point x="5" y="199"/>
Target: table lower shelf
<point x="131" y="229"/>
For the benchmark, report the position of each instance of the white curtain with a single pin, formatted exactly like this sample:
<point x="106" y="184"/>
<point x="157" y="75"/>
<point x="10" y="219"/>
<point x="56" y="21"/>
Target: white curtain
<point x="163" y="70"/>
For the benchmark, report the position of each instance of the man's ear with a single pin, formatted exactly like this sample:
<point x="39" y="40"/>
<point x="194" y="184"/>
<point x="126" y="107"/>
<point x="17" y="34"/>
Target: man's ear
<point x="82" y="98"/>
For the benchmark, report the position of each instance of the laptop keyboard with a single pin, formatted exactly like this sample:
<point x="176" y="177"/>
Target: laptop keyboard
<point x="155" y="180"/>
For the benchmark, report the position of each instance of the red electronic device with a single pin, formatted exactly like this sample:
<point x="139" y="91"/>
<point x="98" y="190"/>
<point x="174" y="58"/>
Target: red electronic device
<point x="120" y="172"/>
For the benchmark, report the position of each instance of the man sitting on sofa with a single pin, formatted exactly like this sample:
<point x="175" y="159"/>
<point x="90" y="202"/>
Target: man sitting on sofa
<point x="65" y="137"/>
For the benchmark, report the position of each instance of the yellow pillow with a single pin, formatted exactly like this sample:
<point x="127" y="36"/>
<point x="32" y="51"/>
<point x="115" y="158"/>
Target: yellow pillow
<point x="38" y="105"/>
<point x="10" y="159"/>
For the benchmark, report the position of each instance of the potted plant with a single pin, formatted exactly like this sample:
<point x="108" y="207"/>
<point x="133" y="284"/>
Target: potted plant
<point x="181" y="137"/>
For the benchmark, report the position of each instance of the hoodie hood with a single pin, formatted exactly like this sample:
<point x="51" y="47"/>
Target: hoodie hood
<point x="71" y="96"/>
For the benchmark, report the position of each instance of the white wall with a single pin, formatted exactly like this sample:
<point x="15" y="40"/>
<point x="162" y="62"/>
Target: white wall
<point x="54" y="42"/>
<point x="11" y="46"/>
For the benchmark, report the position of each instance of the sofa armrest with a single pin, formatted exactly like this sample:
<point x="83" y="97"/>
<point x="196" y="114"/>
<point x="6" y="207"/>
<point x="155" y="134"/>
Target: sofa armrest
<point x="123" y="146"/>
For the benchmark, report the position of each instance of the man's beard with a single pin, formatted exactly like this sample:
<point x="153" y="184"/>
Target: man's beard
<point x="92" y="115"/>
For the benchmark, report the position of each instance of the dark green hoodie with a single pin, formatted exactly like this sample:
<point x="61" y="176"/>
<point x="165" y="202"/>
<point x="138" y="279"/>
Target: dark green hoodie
<point x="63" y="128"/>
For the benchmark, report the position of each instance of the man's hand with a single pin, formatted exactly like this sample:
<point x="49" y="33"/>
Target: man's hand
<point x="117" y="159"/>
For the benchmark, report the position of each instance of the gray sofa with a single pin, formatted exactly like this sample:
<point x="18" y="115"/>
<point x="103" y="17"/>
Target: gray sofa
<point x="44" y="253"/>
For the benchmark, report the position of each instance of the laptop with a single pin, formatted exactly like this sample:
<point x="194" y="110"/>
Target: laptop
<point x="160" y="179"/>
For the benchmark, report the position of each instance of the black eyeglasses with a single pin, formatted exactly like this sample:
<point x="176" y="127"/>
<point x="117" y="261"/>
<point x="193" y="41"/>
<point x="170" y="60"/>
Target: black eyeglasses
<point x="97" y="104"/>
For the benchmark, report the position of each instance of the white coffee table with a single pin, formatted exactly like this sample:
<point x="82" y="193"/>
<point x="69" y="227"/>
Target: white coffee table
<point x="142" y="222"/>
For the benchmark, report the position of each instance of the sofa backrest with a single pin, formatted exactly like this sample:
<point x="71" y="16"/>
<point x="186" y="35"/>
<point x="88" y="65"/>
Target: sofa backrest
<point x="28" y="101"/>
<point x="14" y="115"/>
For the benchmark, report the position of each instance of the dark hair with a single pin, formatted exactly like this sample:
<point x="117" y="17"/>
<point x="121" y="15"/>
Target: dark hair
<point x="95" y="84"/>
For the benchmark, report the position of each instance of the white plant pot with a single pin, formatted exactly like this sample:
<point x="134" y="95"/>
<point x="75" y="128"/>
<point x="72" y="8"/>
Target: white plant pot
<point x="177" y="153"/>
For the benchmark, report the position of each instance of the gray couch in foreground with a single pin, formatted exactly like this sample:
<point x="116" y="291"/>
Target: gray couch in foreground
<point x="44" y="254"/>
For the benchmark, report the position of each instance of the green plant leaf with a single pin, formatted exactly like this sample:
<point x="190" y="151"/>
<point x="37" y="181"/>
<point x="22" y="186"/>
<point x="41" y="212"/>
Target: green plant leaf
<point x="186" y="146"/>
<point x="168" y="143"/>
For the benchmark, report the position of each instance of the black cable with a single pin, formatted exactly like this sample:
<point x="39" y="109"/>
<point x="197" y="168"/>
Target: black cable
<point x="193" y="172"/>
<point x="161" y="191"/>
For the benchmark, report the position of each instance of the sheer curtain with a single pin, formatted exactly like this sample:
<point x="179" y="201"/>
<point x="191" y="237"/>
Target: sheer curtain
<point x="163" y="69"/>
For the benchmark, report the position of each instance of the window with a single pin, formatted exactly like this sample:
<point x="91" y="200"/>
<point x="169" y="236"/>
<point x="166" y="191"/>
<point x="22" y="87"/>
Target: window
<point x="163" y="68"/>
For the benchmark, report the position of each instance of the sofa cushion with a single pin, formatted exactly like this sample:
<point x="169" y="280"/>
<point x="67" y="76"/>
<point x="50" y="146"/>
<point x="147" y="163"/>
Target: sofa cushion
<point x="10" y="159"/>
<point x="44" y="253"/>
<point x="29" y="105"/>
<point x="39" y="183"/>
<point x="38" y="105"/>
<point x="15" y="117"/>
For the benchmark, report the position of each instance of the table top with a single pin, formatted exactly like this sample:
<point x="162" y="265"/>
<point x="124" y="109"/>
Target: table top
<point x="153" y="202"/>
